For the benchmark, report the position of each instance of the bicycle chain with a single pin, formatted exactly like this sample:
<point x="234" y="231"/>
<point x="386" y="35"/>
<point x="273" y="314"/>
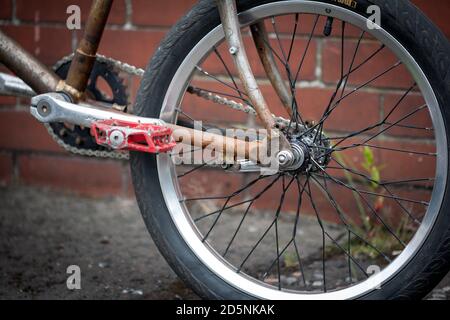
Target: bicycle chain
<point x="135" y="71"/>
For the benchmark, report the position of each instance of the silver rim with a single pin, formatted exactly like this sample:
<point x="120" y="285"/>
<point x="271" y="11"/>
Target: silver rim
<point x="169" y="181"/>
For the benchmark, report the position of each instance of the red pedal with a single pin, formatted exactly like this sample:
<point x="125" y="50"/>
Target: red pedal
<point x="122" y="135"/>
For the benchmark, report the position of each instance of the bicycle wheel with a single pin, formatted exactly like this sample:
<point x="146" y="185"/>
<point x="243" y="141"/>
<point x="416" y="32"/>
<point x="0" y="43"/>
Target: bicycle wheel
<point x="369" y="222"/>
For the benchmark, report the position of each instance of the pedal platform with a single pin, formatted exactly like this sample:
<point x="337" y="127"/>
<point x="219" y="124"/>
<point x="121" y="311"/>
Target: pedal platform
<point x="132" y="136"/>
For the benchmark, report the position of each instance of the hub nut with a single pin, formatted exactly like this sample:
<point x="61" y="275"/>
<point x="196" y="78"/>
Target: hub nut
<point x="285" y="159"/>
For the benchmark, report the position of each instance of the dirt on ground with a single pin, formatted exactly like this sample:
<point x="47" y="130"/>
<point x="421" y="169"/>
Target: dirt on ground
<point x="42" y="233"/>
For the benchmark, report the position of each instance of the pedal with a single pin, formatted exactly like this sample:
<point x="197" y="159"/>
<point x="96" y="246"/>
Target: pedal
<point x="131" y="136"/>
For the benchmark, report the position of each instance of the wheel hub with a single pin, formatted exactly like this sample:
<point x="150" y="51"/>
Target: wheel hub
<point x="310" y="152"/>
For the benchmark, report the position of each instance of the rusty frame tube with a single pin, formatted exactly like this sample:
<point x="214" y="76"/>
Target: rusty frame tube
<point x="39" y="77"/>
<point x="86" y="53"/>
<point x="231" y="147"/>
<point x="261" y="40"/>
<point x="42" y="80"/>
<point x="232" y="29"/>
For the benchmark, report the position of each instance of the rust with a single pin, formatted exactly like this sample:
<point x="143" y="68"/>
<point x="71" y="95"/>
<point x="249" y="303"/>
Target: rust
<point x="223" y="144"/>
<point x="84" y="58"/>
<point x="231" y="26"/>
<point x="259" y="34"/>
<point x="39" y="77"/>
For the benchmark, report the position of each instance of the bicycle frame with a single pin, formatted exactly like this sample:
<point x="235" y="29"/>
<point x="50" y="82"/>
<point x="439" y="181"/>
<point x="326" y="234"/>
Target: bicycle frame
<point x="42" y="80"/>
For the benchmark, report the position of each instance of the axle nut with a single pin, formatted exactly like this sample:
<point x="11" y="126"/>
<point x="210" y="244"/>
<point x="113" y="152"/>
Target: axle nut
<point x="285" y="159"/>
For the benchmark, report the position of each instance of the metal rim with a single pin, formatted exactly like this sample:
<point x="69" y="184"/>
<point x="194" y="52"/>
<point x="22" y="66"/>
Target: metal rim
<point x="169" y="182"/>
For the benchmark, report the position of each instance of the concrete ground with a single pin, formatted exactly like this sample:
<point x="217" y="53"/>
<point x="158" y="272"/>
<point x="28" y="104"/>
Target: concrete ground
<point x="42" y="233"/>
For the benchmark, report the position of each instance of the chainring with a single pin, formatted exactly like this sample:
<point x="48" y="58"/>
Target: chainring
<point x="104" y="75"/>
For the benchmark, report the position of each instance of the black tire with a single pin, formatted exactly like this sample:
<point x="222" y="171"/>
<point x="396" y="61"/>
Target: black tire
<point x="413" y="29"/>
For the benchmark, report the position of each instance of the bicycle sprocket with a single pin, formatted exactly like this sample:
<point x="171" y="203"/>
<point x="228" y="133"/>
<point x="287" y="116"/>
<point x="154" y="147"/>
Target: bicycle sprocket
<point x="104" y="78"/>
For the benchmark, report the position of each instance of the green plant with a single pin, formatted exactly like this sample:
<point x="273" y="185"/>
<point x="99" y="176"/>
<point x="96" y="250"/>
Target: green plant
<point x="374" y="232"/>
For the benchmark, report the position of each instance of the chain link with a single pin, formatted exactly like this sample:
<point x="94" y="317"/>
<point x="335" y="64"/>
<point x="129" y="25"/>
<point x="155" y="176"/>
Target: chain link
<point x="139" y="72"/>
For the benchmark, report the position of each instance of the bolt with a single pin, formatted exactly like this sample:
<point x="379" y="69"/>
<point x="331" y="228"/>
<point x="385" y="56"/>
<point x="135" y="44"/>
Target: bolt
<point x="44" y="109"/>
<point x="285" y="158"/>
<point x="117" y="139"/>
<point x="233" y="50"/>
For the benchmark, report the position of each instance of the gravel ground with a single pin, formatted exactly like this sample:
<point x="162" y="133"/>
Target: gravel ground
<point x="42" y="233"/>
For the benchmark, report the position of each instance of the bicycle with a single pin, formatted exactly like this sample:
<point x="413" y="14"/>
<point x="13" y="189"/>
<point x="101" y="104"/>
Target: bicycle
<point x="390" y="217"/>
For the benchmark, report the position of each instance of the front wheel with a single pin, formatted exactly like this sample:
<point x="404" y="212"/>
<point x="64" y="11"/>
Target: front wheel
<point x="370" y="222"/>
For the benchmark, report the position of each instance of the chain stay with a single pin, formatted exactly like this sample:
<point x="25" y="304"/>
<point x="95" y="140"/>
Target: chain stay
<point x="139" y="72"/>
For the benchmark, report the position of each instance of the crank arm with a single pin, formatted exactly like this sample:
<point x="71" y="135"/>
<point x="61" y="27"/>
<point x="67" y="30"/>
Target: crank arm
<point x="122" y="131"/>
<point x="55" y="107"/>
<point x="111" y="128"/>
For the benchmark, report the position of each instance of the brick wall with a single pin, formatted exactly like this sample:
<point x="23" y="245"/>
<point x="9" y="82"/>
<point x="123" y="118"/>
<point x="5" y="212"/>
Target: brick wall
<point x="29" y="156"/>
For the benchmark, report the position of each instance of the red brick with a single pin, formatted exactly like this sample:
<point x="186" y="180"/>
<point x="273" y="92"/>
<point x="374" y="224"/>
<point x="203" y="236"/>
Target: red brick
<point x="396" y="78"/>
<point x="133" y="47"/>
<point x="409" y="104"/>
<point x="159" y="12"/>
<point x="358" y="111"/>
<point x="6" y="169"/>
<point x="20" y="131"/>
<point x="437" y="11"/>
<point x="201" y="109"/>
<point x="90" y="177"/>
<point x="354" y="113"/>
<point x="8" y="101"/>
<point x="6" y="12"/>
<point x="55" y="10"/>
<point x="52" y="45"/>
<point x="214" y="66"/>
<point x="404" y="166"/>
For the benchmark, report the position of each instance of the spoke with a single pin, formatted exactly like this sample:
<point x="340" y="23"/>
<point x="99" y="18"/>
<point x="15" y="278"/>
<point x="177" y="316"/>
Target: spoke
<point x="429" y="154"/>
<point x="302" y="61"/>
<point x="343" y="219"/>
<point x="381" y="184"/>
<point x="377" y="216"/>
<point x="339" y="182"/>
<point x="352" y="63"/>
<point x="179" y="110"/>
<point x="333" y="148"/>
<point x="278" y="254"/>
<point x="296" y="117"/>
<point x="279" y="41"/>
<point x="232" y="195"/>
<point x="192" y="170"/>
<point x="193" y="90"/>
<point x="283" y="194"/>
<point x="240" y="92"/>
<point x="326" y="234"/>
<point x="228" y="72"/>
<point x="226" y="203"/>
<point x="259" y="195"/>
<point x="407" y="181"/>
<point x="385" y="119"/>
<point x="294" y="33"/>
<point x="337" y="103"/>
<point x="352" y="71"/>
<point x="388" y="127"/>
<point x="399" y="102"/>
<point x="411" y="127"/>
<point x="292" y="240"/>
